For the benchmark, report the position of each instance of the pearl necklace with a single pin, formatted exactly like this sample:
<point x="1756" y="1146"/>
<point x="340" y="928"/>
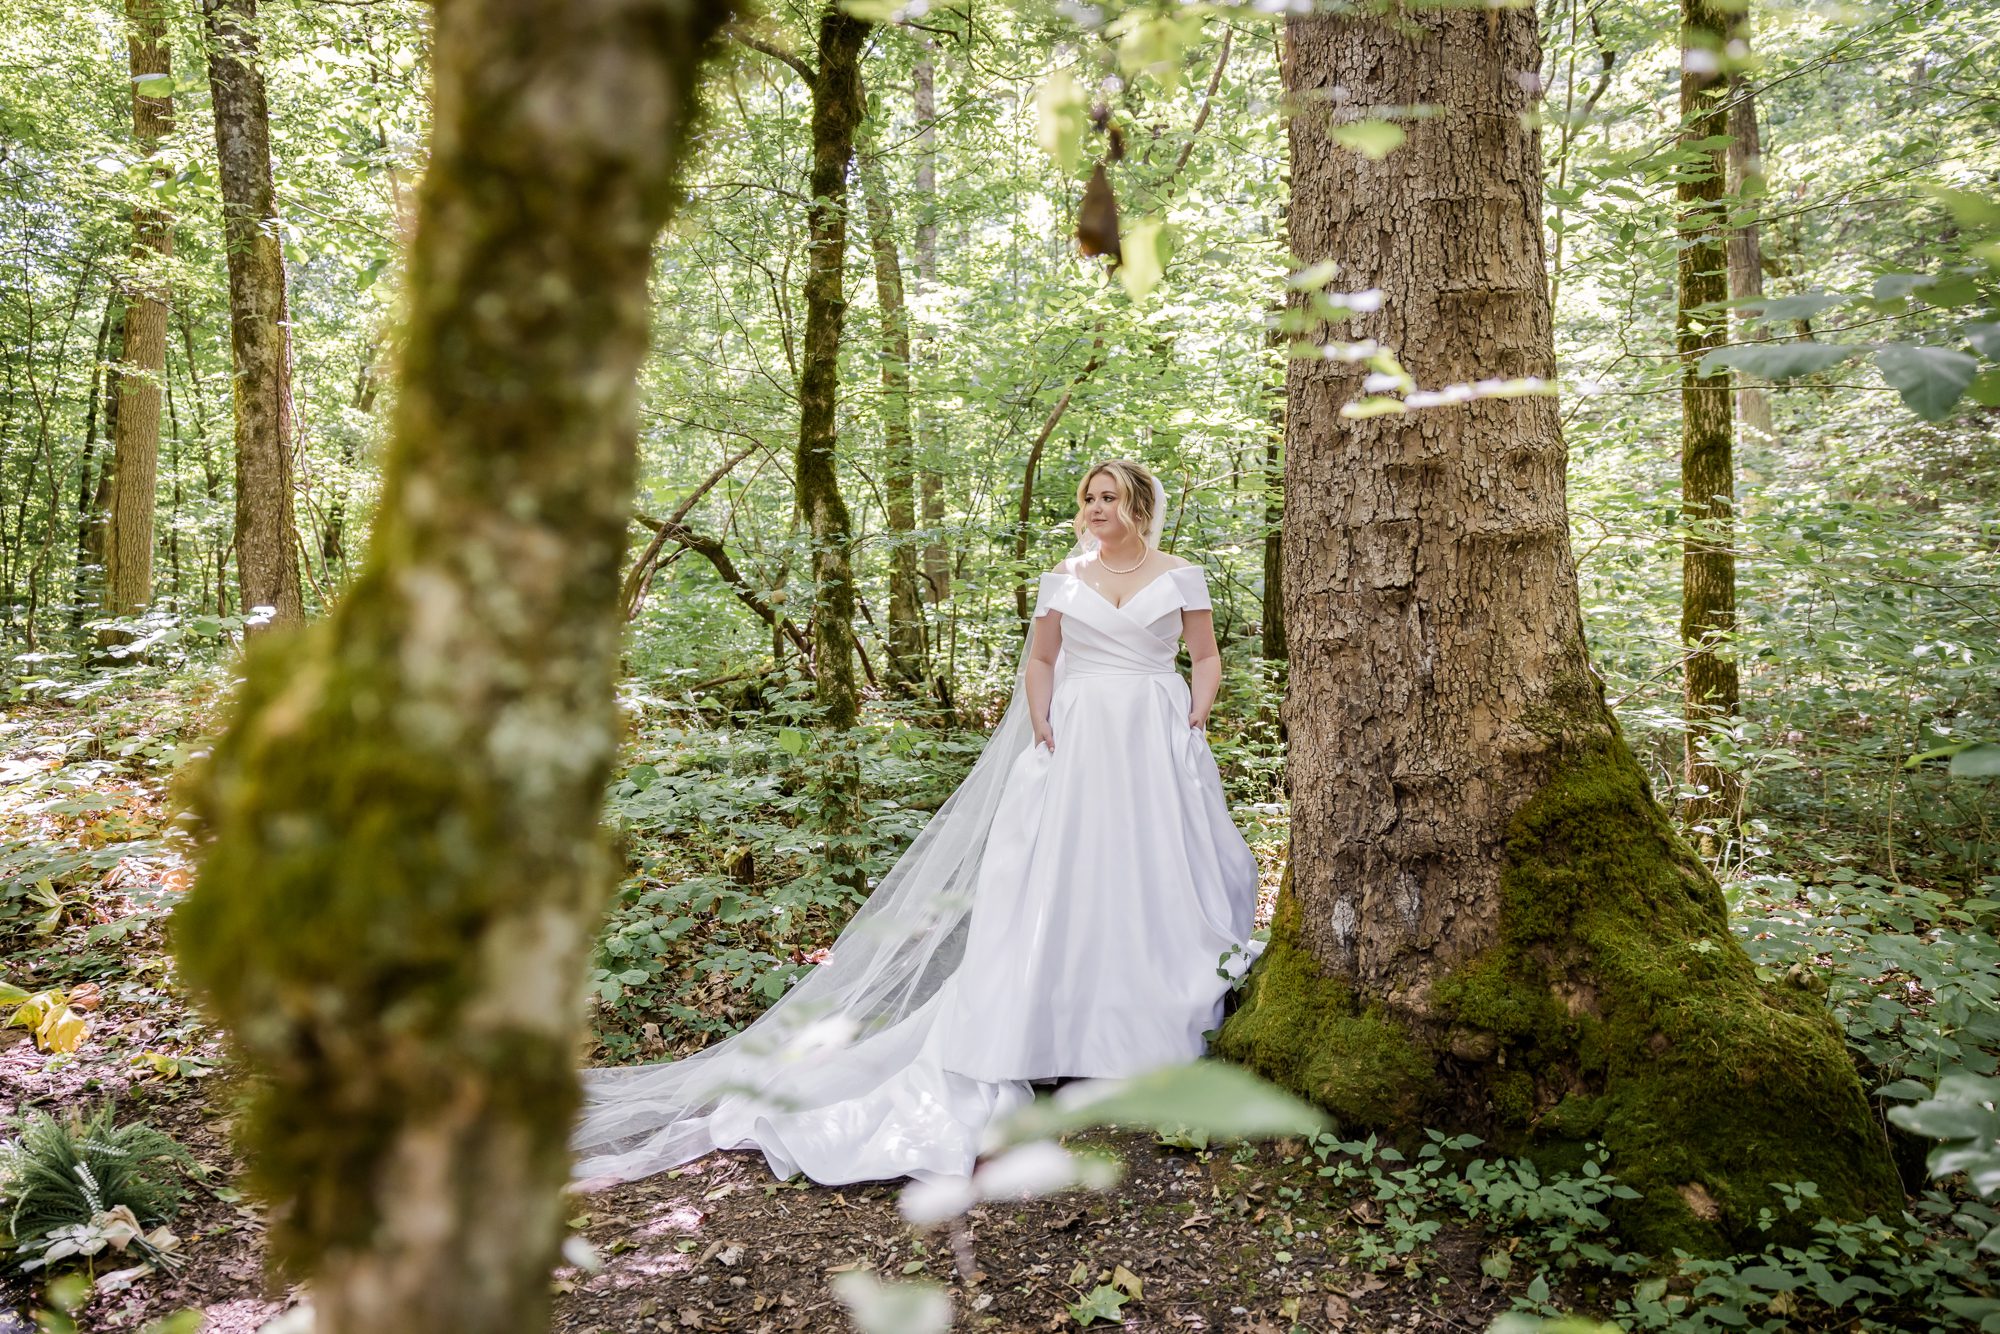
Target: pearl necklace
<point x="1109" y="568"/>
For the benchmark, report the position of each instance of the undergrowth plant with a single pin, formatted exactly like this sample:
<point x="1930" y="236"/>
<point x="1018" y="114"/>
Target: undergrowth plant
<point x="65" y="1175"/>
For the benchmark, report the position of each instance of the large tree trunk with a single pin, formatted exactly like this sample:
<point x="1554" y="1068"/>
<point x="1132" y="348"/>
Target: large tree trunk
<point x="837" y="111"/>
<point x="899" y="463"/>
<point x="267" y="540"/>
<point x="407" y="863"/>
<point x="1708" y="471"/>
<point x="128" y="546"/>
<point x="1487" y="919"/>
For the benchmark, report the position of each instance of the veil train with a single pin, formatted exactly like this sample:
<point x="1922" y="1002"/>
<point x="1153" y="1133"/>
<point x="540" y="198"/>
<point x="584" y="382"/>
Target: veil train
<point x="850" y="1025"/>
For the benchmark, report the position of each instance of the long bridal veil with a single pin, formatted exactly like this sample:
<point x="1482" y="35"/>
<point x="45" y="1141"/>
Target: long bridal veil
<point x="806" y="1049"/>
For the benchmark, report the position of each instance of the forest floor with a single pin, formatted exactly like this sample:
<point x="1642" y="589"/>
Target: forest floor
<point x="1237" y="1237"/>
<point x="1199" y="1239"/>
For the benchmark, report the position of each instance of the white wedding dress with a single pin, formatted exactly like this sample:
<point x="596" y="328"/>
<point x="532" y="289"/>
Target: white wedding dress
<point x="1079" y="912"/>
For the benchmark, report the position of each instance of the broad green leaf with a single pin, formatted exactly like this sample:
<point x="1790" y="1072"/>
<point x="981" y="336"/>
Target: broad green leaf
<point x="1985" y="389"/>
<point x="1985" y="339"/>
<point x="1223" y="1100"/>
<point x="1930" y="379"/>
<point x="1144" y="247"/>
<point x="154" y="85"/>
<point x="1801" y="307"/>
<point x="1981" y="759"/>
<point x="1976" y="211"/>
<point x="1371" y="138"/>
<point x="871" y="11"/>
<point x="1781" y="361"/>
<point x="1103" y="1303"/>
<point x="792" y="741"/>
<point x="1061" y="115"/>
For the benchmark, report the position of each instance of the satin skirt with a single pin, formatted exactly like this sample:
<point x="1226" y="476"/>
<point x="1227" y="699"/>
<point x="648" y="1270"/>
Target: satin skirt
<point x="1115" y="903"/>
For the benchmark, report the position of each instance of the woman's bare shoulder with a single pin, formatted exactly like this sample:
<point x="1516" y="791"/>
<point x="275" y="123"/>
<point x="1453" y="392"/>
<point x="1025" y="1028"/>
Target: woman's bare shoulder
<point x="1176" y="562"/>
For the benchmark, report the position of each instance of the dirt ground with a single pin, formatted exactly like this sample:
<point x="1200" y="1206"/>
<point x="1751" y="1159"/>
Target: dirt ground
<point x="1201" y="1235"/>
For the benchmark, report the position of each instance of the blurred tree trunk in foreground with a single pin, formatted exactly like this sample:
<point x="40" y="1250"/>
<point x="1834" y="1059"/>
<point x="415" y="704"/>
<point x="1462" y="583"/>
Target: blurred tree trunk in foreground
<point x="407" y="866"/>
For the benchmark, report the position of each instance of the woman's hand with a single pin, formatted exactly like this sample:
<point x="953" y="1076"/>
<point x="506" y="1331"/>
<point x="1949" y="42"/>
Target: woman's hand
<point x="1198" y="720"/>
<point x="1044" y="736"/>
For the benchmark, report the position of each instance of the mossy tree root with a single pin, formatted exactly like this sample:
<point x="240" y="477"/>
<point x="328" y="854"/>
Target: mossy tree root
<point x="1616" y="1008"/>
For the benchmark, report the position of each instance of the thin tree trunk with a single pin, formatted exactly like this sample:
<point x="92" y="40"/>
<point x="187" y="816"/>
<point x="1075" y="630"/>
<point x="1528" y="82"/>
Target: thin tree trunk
<point x="89" y="522"/>
<point x="837" y="111"/>
<point x="128" y="577"/>
<point x="1026" y="510"/>
<point x="1487" y="921"/>
<point x="107" y="467"/>
<point x="906" y="637"/>
<point x="1746" y="248"/>
<point x="930" y="437"/>
<point x="367" y="382"/>
<point x="406" y="861"/>
<point x="267" y="539"/>
<point x="1708" y="477"/>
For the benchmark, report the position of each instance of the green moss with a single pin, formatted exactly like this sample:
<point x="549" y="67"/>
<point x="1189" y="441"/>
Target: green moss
<point x="1302" y="1029"/>
<point x="341" y="927"/>
<point x="1616" y="1007"/>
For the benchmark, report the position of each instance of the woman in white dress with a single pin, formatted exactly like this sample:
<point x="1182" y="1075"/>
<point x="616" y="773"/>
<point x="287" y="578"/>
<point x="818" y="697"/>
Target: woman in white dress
<point x="1077" y="908"/>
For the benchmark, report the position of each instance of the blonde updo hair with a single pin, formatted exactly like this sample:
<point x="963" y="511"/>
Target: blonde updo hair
<point x="1135" y="500"/>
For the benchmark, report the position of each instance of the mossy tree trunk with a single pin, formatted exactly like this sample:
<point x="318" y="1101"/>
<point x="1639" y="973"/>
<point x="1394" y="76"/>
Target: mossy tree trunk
<point x="837" y="108"/>
<point x="1487" y="921"/>
<point x="1710" y="686"/>
<point x="267" y="539"/>
<point x="406" y="869"/>
<point x="128" y="537"/>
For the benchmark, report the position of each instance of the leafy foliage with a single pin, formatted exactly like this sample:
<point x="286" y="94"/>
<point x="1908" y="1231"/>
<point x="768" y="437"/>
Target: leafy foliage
<point x="67" y="1183"/>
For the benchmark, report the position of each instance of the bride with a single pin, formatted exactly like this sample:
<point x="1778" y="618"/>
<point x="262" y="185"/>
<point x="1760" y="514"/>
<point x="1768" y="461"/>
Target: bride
<point x="1078" y="907"/>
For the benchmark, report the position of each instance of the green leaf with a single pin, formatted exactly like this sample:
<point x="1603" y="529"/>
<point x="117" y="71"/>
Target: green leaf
<point x="792" y="741"/>
<point x="1930" y="379"/>
<point x="1985" y="339"/>
<point x="1144" y="246"/>
<point x="1205" y="1095"/>
<point x="1103" y="1303"/>
<point x="871" y="11"/>
<point x="153" y="85"/>
<point x="1060" y="118"/>
<point x="1981" y="759"/>
<point x="1374" y="139"/>
<point x="1781" y="361"/>
<point x="1985" y="389"/>
<point x="1801" y="307"/>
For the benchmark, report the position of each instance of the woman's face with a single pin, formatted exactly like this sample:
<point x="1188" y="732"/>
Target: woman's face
<point x="1100" y="507"/>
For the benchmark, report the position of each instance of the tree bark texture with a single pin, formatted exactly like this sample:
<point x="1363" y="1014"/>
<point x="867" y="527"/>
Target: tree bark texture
<point x="907" y="640"/>
<point x="1708" y="472"/>
<point x="267" y="540"/>
<point x="406" y="865"/>
<point x="128" y="546"/>
<point x="1746" y="247"/>
<point x="1487" y="919"/>
<point x="937" y="555"/>
<point x="95" y="464"/>
<point x="837" y="110"/>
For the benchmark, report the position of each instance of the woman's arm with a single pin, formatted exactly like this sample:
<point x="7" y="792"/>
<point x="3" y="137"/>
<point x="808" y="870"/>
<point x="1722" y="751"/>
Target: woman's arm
<point x="1041" y="674"/>
<point x="1198" y="628"/>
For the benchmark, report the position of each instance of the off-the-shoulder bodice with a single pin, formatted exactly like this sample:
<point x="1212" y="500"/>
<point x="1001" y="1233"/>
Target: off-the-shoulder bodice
<point x="1142" y="635"/>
